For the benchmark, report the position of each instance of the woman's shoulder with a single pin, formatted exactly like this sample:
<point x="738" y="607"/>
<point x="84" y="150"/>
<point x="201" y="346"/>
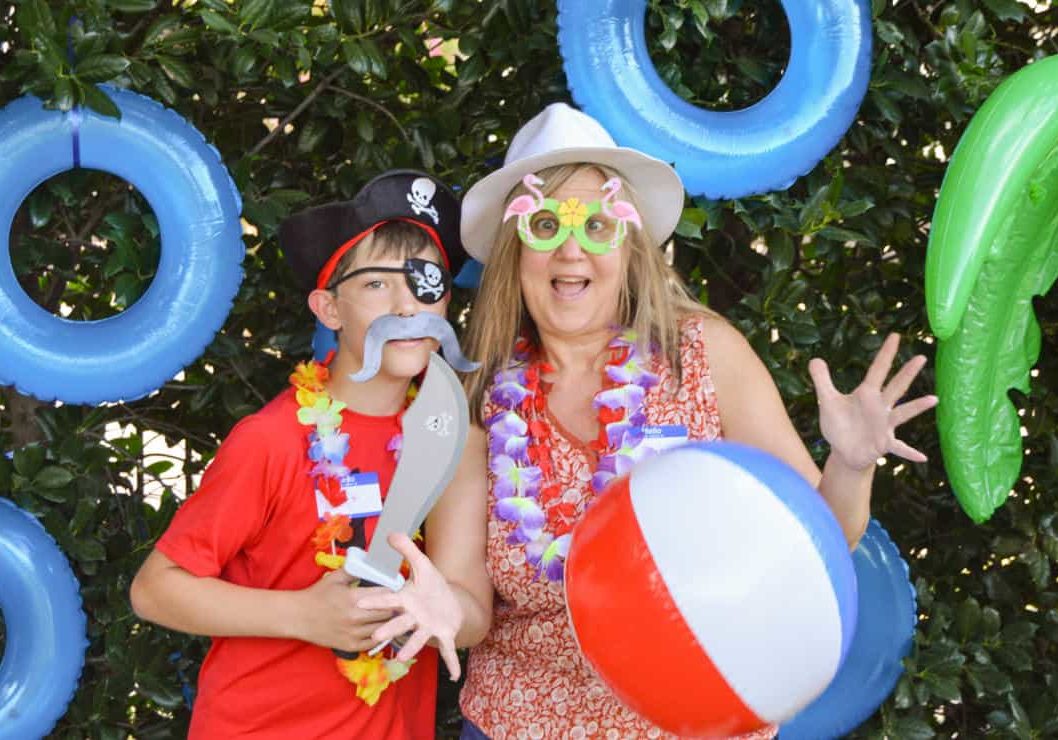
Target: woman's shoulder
<point x="711" y="331"/>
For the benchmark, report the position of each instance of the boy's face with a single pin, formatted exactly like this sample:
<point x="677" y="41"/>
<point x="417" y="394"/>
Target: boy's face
<point x="358" y="301"/>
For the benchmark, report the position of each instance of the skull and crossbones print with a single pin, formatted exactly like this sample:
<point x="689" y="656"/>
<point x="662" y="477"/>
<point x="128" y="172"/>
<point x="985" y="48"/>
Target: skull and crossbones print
<point x="421" y="196"/>
<point x="429" y="281"/>
<point x="438" y="424"/>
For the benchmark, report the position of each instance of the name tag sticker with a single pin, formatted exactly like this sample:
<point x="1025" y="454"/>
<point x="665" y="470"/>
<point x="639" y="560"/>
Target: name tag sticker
<point x="363" y="497"/>
<point x="664" y="437"/>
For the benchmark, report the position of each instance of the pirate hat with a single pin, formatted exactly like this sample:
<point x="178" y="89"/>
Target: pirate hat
<point x="314" y="240"/>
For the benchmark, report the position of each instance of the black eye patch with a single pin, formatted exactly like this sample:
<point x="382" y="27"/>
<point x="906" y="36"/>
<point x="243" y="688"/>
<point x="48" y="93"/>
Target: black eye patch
<point x="428" y="281"/>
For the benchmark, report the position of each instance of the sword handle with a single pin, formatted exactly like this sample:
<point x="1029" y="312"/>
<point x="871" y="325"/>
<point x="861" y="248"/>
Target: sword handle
<point x="367" y="577"/>
<point x="357" y="566"/>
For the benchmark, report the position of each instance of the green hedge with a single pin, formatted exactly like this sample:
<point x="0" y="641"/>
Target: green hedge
<point x="349" y="90"/>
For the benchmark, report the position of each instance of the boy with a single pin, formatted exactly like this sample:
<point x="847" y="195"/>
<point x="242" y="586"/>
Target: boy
<point x="303" y="478"/>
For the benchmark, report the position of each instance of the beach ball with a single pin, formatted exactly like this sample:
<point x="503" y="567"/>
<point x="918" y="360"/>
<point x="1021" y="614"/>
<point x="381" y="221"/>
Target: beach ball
<point x="712" y="590"/>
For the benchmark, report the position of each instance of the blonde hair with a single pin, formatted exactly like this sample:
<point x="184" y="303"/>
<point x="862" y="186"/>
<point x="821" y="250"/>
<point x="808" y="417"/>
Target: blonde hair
<point x="652" y="300"/>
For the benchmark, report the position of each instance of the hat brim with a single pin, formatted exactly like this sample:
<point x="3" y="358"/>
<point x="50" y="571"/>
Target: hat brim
<point x="658" y="189"/>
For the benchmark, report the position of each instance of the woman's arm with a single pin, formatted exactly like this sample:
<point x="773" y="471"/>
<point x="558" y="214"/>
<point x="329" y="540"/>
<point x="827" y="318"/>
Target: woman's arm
<point x="326" y="614"/>
<point x="456" y="532"/>
<point x="859" y="426"/>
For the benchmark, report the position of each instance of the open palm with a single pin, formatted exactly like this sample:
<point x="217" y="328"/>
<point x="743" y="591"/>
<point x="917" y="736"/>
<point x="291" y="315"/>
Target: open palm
<point x="424" y="607"/>
<point x="861" y="426"/>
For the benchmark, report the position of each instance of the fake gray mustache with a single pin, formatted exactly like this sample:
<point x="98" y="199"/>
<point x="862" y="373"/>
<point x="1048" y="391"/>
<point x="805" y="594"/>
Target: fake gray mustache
<point x="389" y="327"/>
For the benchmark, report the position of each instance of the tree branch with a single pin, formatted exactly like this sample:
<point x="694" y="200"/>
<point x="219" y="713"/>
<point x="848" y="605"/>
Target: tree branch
<point x="246" y="381"/>
<point x="25" y="429"/>
<point x="309" y="99"/>
<point x="377" y="106"/>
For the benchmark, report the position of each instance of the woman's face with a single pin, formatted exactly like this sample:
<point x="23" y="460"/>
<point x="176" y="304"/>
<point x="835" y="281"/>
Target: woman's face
<point x="569" y="291"/>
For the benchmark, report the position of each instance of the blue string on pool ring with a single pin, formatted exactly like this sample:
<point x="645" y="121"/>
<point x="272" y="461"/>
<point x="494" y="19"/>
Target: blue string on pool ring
<point x="722" y="154"/>
<point x="45" y="643"/>
<point x="884" y="631"/>
<point x="197" y="206"/>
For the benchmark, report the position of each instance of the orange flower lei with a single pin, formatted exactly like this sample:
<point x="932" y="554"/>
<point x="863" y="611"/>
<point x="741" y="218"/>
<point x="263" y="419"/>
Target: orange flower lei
<point x="370" y="674"/>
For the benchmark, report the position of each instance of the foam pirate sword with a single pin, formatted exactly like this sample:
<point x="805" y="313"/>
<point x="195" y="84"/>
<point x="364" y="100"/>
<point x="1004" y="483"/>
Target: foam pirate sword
<point x="434" y="429"/>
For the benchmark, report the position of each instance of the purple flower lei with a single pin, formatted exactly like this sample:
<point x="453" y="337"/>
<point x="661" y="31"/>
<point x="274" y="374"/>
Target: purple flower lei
<point x="519" y="481"/>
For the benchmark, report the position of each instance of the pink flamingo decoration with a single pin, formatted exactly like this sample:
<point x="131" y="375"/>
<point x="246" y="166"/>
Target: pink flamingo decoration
<point x="524" y="206"/>
<point x="624" y="212"/>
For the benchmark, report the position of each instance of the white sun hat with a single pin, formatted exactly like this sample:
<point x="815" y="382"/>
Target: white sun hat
<point x="560" y="135"/>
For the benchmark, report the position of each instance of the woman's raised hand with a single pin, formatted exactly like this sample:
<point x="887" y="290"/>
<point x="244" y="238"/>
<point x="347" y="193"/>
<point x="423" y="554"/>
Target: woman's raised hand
<point x="861" y="426"/>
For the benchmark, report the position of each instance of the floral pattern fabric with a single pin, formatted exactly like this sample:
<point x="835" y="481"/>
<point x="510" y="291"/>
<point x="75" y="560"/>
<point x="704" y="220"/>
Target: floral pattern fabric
<point x="527" y="679"/>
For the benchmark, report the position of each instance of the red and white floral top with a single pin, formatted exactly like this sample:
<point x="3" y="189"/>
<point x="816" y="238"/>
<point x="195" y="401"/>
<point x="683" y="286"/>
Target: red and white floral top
<point x="527" y="679"/>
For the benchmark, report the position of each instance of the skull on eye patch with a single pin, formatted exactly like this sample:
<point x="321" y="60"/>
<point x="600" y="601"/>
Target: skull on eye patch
<point x="428" y="281"/>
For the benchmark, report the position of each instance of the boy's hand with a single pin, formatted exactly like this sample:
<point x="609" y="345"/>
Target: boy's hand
<point x="428" y="608"/>
<point x="331" y="615"/>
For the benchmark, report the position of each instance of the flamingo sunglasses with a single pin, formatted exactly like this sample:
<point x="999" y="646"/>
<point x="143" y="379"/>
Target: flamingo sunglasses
<point x="544" y="224"/>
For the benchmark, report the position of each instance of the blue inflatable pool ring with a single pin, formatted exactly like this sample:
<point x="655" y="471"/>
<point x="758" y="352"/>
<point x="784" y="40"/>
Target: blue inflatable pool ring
<point x="45" y="642"/>
<point x="324" y="341"/>
<point x="884" y="631"/>
<point x="128" y="355"/>
<point x="726" y="154"/>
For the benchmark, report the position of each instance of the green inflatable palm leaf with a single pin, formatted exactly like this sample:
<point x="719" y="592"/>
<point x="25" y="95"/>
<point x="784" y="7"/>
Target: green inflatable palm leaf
<point x="993" y="246"/>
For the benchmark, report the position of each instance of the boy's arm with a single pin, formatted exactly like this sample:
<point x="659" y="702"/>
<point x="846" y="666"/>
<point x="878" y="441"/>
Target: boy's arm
<point x="326" y="613"/>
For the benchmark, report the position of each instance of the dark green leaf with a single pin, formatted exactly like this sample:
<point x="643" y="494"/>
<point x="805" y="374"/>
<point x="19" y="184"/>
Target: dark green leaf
<point x="177" y="71"/>
<point x="990" y="679"/>
<point x="34" y="17"/>
<point x="472" y="70"/>
<point x="244" y="62"/>
<point x="41" y="208"/>
<point x="365" y="129"/>
<point x="945" y="689"/>
<point x="1006" y="10"/>
<point x="376" y="59"/>
<point x="164" y="694"/>
<point x="349" y="14"/>
<point x="781" y="251"/>
<point x="160" y="467"/>
<point x="910" y="728"/>
<point x="839" y="234"/>
<point x="132" y="6"/>
<point x="53" y="56"/>
<point x="161" y="28"/>
<point x="88" y="549"/>
<point x="101" y="68"/>
<point x="100" y="102"/>
<point x="29" y="460"/>
<point x="6" y="468"/>
<point x="127" y="290"/>
<point x="888" y="32"/>
<point x="356" y="57"/>
<point x="311" y="135"/>
<point x="256" y="13"/>
<point x="218" y="22"/>
<point x="691" y="222"/>
<point x="53" y="476"/>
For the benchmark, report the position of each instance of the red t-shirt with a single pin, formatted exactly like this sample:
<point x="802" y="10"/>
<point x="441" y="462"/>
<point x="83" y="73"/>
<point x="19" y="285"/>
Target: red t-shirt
<point x="251" y="523"/>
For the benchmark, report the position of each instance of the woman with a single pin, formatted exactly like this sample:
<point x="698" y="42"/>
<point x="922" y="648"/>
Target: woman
<point x="588" y="341"/>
